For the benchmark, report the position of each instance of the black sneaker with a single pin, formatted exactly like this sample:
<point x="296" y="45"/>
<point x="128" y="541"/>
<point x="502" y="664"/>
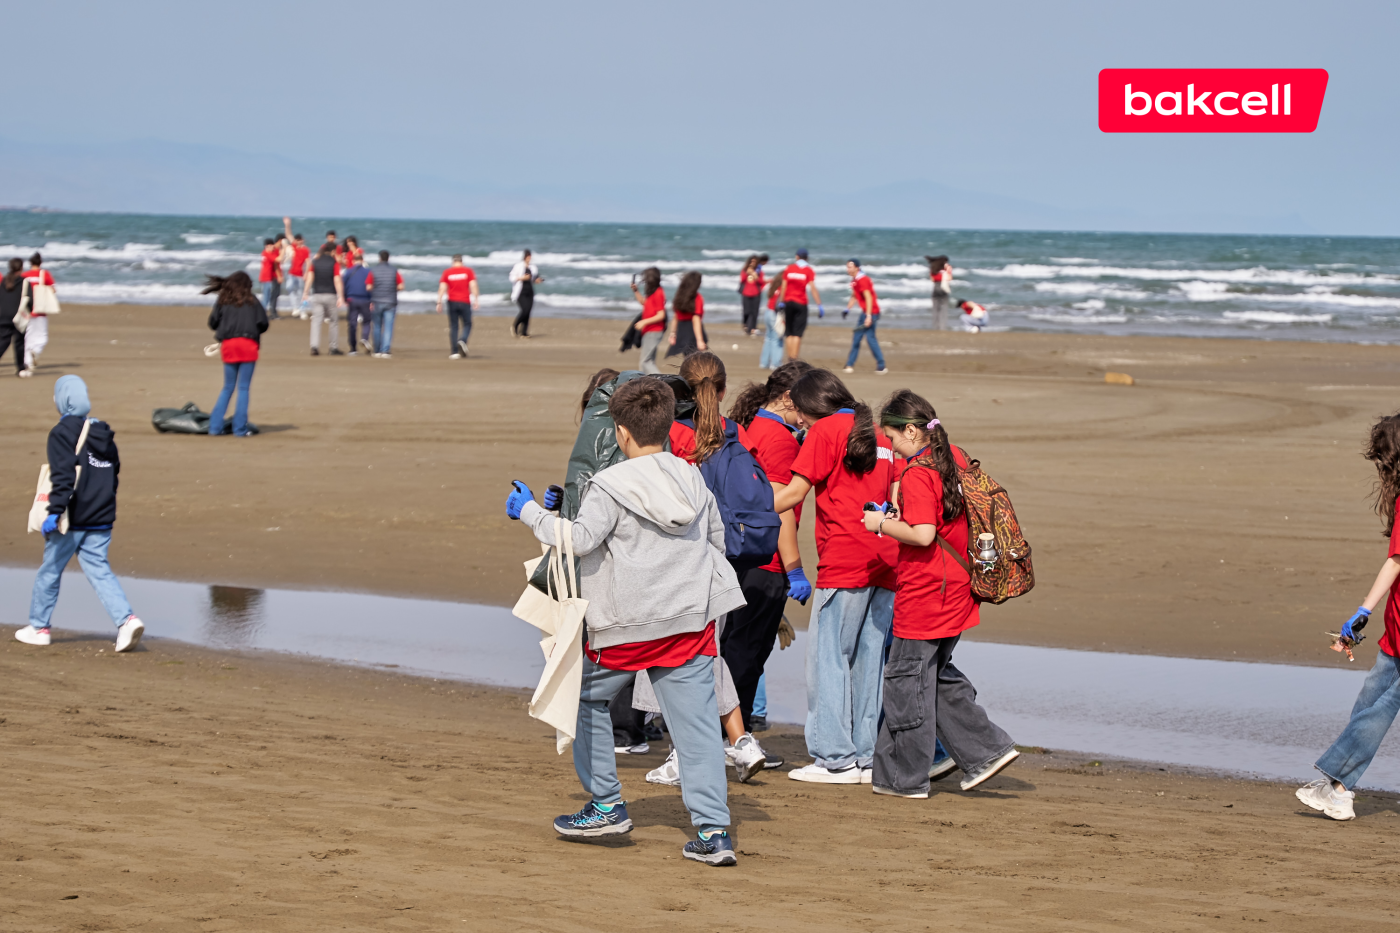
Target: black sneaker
<point x="773" y="761"/>
<point x="758" y="723"/>
<point x="315" y="352"/>
<point x="336" y="353"/>
<point x="717" y="850"/>
<point x="591" y="821"/>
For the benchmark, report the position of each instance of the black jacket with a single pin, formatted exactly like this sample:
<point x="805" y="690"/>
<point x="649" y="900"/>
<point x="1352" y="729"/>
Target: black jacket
<point x="228" y="321"/>
<point x="9" y="305"/>
<point x="95" y="505"/>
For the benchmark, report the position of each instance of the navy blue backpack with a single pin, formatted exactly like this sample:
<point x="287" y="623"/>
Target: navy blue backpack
<point x="745" y="498"/>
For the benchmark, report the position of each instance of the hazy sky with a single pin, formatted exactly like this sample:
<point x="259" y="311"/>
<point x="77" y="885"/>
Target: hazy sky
<point x="709" y="100"/>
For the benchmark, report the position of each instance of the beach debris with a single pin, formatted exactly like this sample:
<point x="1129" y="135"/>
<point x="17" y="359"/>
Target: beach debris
<point x="1119" y="379"/>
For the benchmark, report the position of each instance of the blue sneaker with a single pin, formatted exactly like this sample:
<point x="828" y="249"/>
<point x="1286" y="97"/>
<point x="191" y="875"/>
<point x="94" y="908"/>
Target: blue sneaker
<point x="717" y="850"/>
<point x="591" y="821"/>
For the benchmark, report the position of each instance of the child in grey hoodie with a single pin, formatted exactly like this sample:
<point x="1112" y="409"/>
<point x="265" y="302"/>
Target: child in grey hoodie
<point x="652" y="567"/>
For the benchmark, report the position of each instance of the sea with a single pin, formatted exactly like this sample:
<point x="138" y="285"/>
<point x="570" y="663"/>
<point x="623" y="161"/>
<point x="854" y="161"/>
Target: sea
<point x="1344" y="289"/>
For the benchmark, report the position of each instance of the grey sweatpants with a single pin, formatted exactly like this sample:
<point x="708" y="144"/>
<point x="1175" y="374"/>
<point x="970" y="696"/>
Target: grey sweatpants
<point x="651" y="341"/>
<point x="323" y="309"/>
<point x="926" y="699"/>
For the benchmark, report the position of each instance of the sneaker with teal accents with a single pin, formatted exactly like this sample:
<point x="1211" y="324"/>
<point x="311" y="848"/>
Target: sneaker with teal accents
<point x="593" y="820"/>
<point x="716" y="850"/>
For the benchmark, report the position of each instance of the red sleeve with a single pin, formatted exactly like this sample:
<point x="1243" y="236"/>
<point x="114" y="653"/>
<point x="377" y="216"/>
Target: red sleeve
<point x="776" y="452"/>
<point x="744" y="437"/>
<point x="444" y="276"/>
<point x="1395" y="533"/>
<point x="811" y="275"/>
<point x="369" y="280"/>
<point x="761" y="280"/>
<point x="922" y="491"/>
<point x="817" y="458"/>
<point x="471" y="276"/>
<point x="683" y="441"/>
<point x="700" y="312"/>
<point x="48" y="277"/>
<point x="399" y="276"/>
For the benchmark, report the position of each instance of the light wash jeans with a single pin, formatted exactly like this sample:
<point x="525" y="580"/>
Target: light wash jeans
<point x="240" y="375"/>
<point x="296" y="284"/>
<point x="687" y="698"/>
<point x="1371" y="717"/>
<point x="845" y="660"/>
<point x="760" y="697"/>
<point x="91" y="548"/>
<point x="383" y="331"/>
<point x="772" y="355"/>
<point x="868" y="333"/>
<point x="271" y="292"/>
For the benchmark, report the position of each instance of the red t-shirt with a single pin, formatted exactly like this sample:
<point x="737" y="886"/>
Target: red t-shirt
<point x="796" y="278"/>
<point x="752" y="288"/>
<point x="775" y="447"/>
<point x="848" y="556"/>
<point x="699" y="309"/>
<point x="239" y="350"/>
<point x="299" y="256"/>
<point x="934" y="596"/>
<point x="860" y="287"/>
<point x="683" y="440"/>
<point x="672" y="651"/>
<point x="270" y="255"/>
<point x="459" y="281"/>
<point x="773" y="301"/>
<point x="655" y="304"/>
<point x="398" y="276"/>
<point x="1390" y="641"/>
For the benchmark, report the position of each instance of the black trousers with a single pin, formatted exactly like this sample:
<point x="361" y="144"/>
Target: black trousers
<point x="751" y="305"/>
<point x="8" y="334"/>
<point x="526" y="303"/>
<point x="748" y="638"/>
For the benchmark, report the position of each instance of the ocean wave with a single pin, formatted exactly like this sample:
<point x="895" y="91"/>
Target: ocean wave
<point x="1275" y="317"/>
<point x="1079" y="320"/>
<point x="143" y="294"/>
<point x="742" y="254"/>
<point x="201" y="239"/>
<point x="1257" y="275"/>
<point x="128" y="253"/>
<point x="1073" y="260"/>
<point x="1218" y="291"/>
<point x="1093" y="304"/>
<point x="1102" y="289"/>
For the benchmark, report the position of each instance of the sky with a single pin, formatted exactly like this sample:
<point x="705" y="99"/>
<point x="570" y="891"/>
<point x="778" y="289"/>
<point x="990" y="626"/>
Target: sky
<point x="881" y="113"/>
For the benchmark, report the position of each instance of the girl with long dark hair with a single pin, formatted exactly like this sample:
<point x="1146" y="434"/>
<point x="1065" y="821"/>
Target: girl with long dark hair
<point x="848" y="465"/>
<point x="926" y="697"/>
<point x="11" y="294"/>
<point x="524" y="277"/>
<point x="751" y="283"/>
<point x="36" y="337"/>
<point x="238" y="321"/>
<point x="688" y="328"/>
<point x="652" y="324"/>
<point x="1346" y="761"/>
<point x="940" y="271"/>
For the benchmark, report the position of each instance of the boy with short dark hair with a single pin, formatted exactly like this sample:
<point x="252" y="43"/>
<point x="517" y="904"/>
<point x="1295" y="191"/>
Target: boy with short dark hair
<point x="651" y="542"/>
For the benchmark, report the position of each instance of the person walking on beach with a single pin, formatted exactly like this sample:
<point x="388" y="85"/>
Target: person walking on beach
<point x="458" y="287"/>
<point x="83" y="465"/>
<point x="653" y="570"/>
<point x="863" y="300"/>
<point x="772" y="354"/>
<point x="751" y="282"/>
<point x="238" y="323"/>
<point x="688" y="328"/>
<point x="652" y="324"/>
<point x="326" y="293"/>
<point x="524" y="277"/>
<point x="799" y="278"/>
<point x="1346" y="761"/>
<point x="296" y="273"/>
<point x="357" y="298"/>
<point x="270" y="275"/>
<point x="926" y="697"/>
<point x="940" y="271"/>
<point x="11" y="294"/>
<point x="385" y="282"/>
<point x="36" y="335"/>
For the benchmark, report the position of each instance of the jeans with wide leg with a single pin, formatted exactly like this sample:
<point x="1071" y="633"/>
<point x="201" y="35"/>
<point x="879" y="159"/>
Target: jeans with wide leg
<point x="687" y="698"/>
<point x="91" y="548"/>
<point x="383" y="334"/>
<point x="868" y="335"/>
<point x="239" y="375"/>
<point x="845" y="651"/>
<point x="772" y="355"/>
<point x="1371" y="716"/>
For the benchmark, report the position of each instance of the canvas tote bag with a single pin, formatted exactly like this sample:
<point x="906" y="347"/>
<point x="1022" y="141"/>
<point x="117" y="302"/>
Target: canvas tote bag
<point x="40" y="509"/>
<point x="44" y="299"/>
<point x="560" y="618"/>
<point x="21" y="318"/>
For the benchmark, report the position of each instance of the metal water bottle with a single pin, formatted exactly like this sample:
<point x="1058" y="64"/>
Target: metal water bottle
<point x="987" y="551"/>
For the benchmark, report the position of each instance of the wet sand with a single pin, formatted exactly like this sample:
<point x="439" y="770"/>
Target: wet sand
<point x="1216" y="509"/>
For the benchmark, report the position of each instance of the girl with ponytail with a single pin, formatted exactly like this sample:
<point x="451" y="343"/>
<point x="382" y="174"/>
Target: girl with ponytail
<point x="852" y="605"/>
<point x="926" y="697"/>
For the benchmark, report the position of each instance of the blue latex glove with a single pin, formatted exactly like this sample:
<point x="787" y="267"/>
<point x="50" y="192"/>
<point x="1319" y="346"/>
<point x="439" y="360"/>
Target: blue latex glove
<point x="50" y="524"/>
<point x="821" y="312"/>
<point x="517" y="499"/>
<point x="552" y="497"/>
<point x="798" y="587"/>
<point x="780" y="305"/>
<point x="844" y="312"/>
<point x="1352" y="630"/>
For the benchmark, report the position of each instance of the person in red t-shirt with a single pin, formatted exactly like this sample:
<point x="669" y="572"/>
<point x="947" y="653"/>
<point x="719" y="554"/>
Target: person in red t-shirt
<point x="238" y="322"/>
<point x="772" y="355"/>
<point x="798" y="279"/>
<point x="270" y="275"/>
<point x="296" y="274"/>
<point x="863" y="299"/>
<point x="1371" y="717"/>
<point x="926" y="697"/>
<point x="848" y="464"/>
<point x="459" y="288"/>
<point x="36" y="336"/>
<point x="651" y="323"/>
<point x="751" y="283"/>
<point x="688" y="329"/>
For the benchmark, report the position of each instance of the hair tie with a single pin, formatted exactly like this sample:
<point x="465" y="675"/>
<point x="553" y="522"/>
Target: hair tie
<point x="933" y="424"/>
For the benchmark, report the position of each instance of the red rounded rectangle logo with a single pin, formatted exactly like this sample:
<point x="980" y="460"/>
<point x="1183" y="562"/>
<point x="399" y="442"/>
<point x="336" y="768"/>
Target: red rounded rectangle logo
<point x="1211" y="100"/>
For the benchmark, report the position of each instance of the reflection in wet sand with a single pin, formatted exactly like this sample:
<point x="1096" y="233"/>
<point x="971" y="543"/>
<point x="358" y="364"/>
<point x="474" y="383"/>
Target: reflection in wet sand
<point x="235" y="615"/>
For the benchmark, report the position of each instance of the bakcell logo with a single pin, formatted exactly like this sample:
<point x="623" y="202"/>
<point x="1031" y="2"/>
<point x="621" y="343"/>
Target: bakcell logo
<point x="1211" y="100"/>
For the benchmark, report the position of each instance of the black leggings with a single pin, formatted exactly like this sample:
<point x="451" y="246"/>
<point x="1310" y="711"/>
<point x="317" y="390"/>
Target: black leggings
<point x="751" y="303"/>
<point x="526" y="301"/>
<point x="748" y="637"/>
<point x="7" y="335"/>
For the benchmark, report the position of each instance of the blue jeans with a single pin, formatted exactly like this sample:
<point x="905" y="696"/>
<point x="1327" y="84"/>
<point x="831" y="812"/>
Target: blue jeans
<point x="91" y="548"/>
<point x="686" y="695"/>
<point x="1371" y="717"/>
<point x="242" y="375"/>
<point x="845" y="660"/>
<point x="760" y="697"/>
<point x="384" y="328"/>
<point x="459" y="315"/>
<point x="296" y="284"/>
<point x="868" y="333"/>
<point x="772" y="356"/>
<point x="271" y="292"/>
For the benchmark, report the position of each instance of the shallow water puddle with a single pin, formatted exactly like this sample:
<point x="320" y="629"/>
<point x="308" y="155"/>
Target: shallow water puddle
<point x="1269" y="719"/>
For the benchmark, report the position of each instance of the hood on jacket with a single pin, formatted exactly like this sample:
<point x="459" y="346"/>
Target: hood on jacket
<point x="70" y="396"/>
<point x="662" y="488"/>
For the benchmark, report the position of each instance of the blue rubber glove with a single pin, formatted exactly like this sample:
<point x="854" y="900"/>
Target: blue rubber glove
<point x="517" y="499"/>
<point x="1352" y="630"/>
<point x="780" y="305"/>
<point x="844" y="312"/>
<point x="552" y="497"/>
<point x="821" y="312"/>
<point x="50" y="524"/>
<point x="798" y="587"/>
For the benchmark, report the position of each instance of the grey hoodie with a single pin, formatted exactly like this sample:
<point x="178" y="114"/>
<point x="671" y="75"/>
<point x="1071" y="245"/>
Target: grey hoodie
<point x="651" y="546"/>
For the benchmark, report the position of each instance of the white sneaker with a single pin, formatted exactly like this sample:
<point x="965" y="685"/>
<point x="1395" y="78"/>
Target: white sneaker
<point x="454" y="356"/>
<point x="942" y="769"/>
<point x="991" y="770"/>
<point x="816" y="774"/>
<point x="882" y="372"/>
<point x="1320" y="795"/>
<point x="33" y="636"/>
<point x="867" y="775"/>
<point x="462" y="345"/>
<point x="849" y="369"/>
<point x="641" y="749"/>
<point x="129" y="635"/>
<point x="669" y="773"/>
<point x="748" y="758"/>
<point x="894" y="793"/>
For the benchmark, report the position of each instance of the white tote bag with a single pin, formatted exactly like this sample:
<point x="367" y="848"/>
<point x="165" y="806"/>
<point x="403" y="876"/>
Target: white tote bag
<point x="21" y="318"/>
<point x="40" y="509"/>
<point x="555" y="702"/>
<point x="44" y="300"/>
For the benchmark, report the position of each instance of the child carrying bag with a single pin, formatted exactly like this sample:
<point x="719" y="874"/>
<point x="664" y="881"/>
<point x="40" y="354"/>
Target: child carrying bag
<point x="40" y="509"/>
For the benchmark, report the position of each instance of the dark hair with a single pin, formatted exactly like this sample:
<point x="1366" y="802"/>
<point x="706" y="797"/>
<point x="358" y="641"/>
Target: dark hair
<point x="36" y="260"/>
<point x="594" y="381"/>
<point x="651" y="280"/>
<point x="645" y="407"/>
<point x="279" y="238"/>
<point x="704" y="373"/>
<point x="330" y="233"/>
<point x="456" y="257"/>
<point x="854" y="262"/>
<point x="526" y="255"/>
<point x="326" y="249"/>
<point x="935" y="263"/>
<point x="905" y="408"/>
<point x="16" y="267"/>
<point x="750" y="263"/>
<point x="267" y="241"/>
<point x="1383" y="450"/>
<point x="684" y="300"/>
<point x="762" y="259"/>
<point x="351" y="239"/>
<point x="383" y="255"/>
<point x="233" y="290"/>
<point x="820" y="393"/>
<point x="297" y="236"/>
<point x="756" y="395"/>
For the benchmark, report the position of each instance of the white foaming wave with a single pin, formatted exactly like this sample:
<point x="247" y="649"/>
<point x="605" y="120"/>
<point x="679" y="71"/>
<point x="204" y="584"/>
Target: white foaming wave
<point x="1218" y="291"/>
<point x="1276" y="317"/>
<point x="118" y="293"/>
<point x="1106" y="290"/>
<point x="129" y="253"/>
<point x="743" y="254"/>
<point x="201" y="239"/>
<point x="1079" y="320"/>
<point x="1257" y="275"/>
<point x="1073" y="260"/>
<point x="908" y="268"/>
<point x="1093" y="304"/>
